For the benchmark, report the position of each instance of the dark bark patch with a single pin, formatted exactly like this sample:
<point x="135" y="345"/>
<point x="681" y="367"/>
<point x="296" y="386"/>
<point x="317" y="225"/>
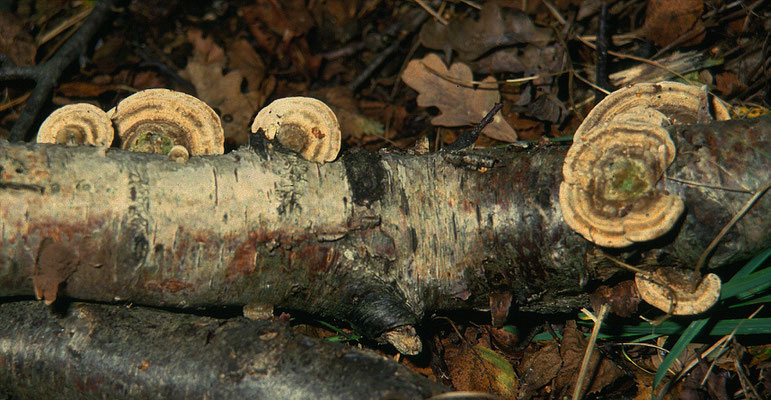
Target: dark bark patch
<point x="366" y="176"/>
<point x="55" y="263"/>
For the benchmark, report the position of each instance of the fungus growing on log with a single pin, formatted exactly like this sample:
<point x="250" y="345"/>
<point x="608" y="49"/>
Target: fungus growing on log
<point x="155" y="120"/>
<point x="77" y="124"/>
<point x="677" y="101"/>
<point x="609" y="194"/>
<point x="678" y="295"/>
<point x="620" y="153"/>
<point x="302" y="124"/>
<point x="179" y="154"/>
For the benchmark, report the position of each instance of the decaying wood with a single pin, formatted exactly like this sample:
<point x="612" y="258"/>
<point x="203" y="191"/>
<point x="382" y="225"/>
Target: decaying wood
<point x="378" y="240"/>
<point x="100" y="351"/>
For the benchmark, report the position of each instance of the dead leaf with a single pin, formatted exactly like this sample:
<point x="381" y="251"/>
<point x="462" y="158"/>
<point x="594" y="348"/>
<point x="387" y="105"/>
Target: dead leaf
<point x="352" y="122"/>
<point x="15" y="42"/>
<point x="602" y="372"/>
<point x="223" y="91"/>
<point x="665" y="21"/>
<point x="538" y="369"/>
<point x="479" y="368"/>
<point x="458" y="103"/>
<point x="471" y="38"/>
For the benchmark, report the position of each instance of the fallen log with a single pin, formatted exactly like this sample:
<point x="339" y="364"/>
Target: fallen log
<point x="375" y="239"/>
<point x="105" y="351"/>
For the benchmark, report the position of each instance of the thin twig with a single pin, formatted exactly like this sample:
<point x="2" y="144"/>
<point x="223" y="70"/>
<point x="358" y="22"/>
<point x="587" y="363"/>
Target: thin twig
<point x="46" y="75"/>
<point x="468" y="138"/>
<point x="431" y="11"/>
<point x="589" y="347"/>
<point x="601" y="65"/>
<point x="640" y="59"/>
<point x="729" y="225"/>
<point x="694" y="183"/>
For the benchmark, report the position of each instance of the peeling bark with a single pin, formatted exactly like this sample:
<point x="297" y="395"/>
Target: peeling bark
<point x="100" y="351"/>
<point x="376" y="239"/>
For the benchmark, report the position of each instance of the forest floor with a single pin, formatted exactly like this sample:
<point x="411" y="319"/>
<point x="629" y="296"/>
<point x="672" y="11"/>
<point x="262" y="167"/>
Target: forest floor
<point x="416" y="74"/>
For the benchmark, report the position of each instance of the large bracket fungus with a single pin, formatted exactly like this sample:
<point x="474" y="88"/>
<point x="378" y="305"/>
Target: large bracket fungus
<point x="302" y="124"/>
<point x="610" y="193"/>
<point x="155" y="120"/>
<point x="77" y="124"/>
<point x="677" y="101"/>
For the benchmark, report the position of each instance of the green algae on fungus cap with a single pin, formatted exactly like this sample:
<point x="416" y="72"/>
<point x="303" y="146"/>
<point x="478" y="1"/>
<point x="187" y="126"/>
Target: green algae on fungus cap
<point x="156" y="120"/>
<point x="609" y="194"/>
<point x="303" y="124"/>
<point x="77" y="124"/>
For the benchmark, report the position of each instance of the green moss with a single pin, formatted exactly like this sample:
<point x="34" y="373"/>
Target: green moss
<point x="150" y="142"/>
<point x="626" y="180"/>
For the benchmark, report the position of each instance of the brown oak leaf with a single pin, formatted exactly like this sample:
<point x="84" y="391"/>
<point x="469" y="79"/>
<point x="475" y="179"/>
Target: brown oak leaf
<point x="451" y="91"/>
<point x="223" y="91"/>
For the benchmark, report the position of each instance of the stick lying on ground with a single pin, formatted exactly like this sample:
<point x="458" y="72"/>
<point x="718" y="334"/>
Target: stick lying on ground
<point x="102" y="351"/>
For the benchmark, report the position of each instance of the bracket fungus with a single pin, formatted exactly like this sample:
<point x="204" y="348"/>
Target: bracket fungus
<point x="620" y="153"/>
<point x="77" y="124"/>
<point x="609" y="192"/>
<point x="673" y="291"/>
<point x="179" y="154"/>
<point x="302" y="124"/>
<point x="155" y="120"/>
<point x="677" y="101"/>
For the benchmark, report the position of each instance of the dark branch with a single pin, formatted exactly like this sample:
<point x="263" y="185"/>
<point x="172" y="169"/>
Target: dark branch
<point x="47" y="75"/>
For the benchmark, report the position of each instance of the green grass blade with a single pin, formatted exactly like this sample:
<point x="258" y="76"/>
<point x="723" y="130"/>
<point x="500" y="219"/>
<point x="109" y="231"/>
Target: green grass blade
<point x="753" y="264"/>
<point x="747" y="286"/>
<point x="693" y="329"/>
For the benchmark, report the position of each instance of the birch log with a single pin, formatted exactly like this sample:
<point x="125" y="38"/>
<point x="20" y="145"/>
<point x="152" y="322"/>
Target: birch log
<point x="375" y="239"/>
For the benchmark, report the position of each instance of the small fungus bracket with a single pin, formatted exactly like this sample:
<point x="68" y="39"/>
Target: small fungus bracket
<point x="303" y="124"/>
<point x="674" y="290"/>
<point x="77" y="124"/>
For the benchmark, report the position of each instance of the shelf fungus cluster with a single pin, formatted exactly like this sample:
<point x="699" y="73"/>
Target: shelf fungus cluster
<point x="302" y="124"/>
<point x="158" y="121"/>
<point x="611" y="193"/>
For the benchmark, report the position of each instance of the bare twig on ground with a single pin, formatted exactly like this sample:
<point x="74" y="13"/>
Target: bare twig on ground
<point x="46" y="75"/>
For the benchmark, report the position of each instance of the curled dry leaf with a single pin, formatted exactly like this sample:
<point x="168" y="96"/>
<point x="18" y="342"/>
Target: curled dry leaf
<point x="77" y="124"/>
<point x="155" y="120"/>
<point x="666" y="21"/>
<point x="460" y="105"/>
<point x="678" y="295"/>
<point x="303" y="124"/>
